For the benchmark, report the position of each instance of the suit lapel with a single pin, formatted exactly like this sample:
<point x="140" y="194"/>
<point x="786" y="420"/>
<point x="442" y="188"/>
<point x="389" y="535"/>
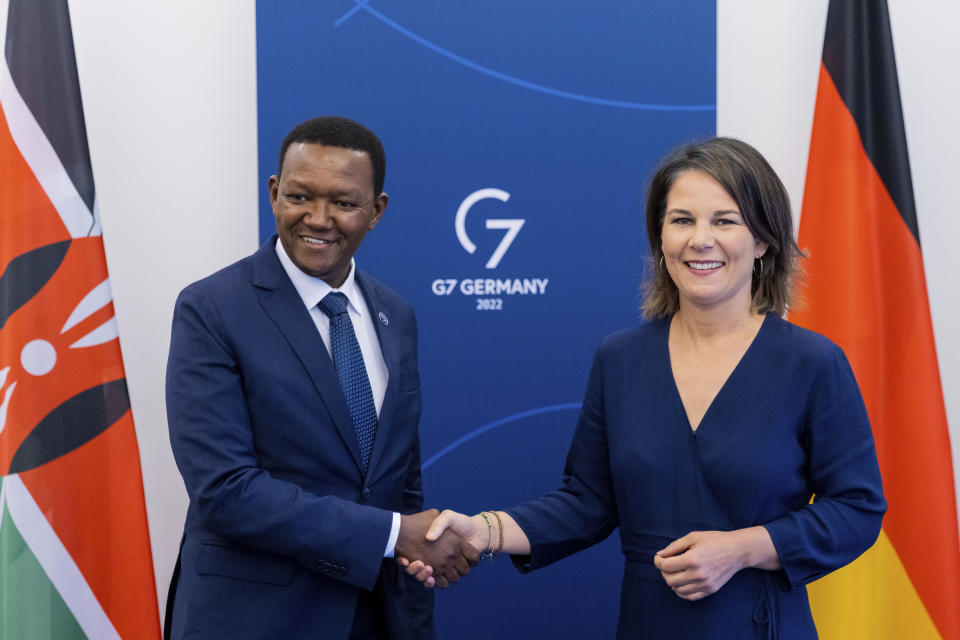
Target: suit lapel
<point x="389" y="347"/>
<point x="283" y="305"/>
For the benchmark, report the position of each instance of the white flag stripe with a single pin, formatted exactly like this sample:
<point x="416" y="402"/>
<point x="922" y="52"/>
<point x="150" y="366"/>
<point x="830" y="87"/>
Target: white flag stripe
<point x="3" y="499"/>
<point x="97" y="229"/>
<point x="4" y="9"/>
<point x="6" y="404"/>
<point x="96" y="299"/>
<point x="56" y="561"/>
<point x="104" y="333"/>
<point x="43" y="159"/>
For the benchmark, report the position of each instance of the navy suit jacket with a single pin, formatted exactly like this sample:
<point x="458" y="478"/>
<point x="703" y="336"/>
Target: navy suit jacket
<point x="283" y="527"/>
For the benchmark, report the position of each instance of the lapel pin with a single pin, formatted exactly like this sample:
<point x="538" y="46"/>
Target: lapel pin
<point x="383" y="318"/>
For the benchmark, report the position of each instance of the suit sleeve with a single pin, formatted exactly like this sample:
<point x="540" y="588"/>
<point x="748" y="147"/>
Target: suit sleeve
<point x="413" y="485"/>
<point x="583" y="511"/>
<point x="417" y="602"/>
<point x="845" y="516"/>
<point x="213" y="444"/>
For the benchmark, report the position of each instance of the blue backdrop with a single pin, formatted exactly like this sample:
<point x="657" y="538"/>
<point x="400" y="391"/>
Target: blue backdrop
<point x="519" y="138"/>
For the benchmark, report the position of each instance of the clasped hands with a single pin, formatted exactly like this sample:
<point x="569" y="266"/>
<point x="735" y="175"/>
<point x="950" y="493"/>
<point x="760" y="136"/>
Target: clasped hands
<point x="481" y="532"/>
<point x="440" y="560"/>
<point x="701" y="562"/>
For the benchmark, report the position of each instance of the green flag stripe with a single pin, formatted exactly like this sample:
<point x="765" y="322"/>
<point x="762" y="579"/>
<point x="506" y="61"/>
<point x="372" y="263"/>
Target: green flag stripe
<point x="30" y="606"/>
<point x="56" y="561"/>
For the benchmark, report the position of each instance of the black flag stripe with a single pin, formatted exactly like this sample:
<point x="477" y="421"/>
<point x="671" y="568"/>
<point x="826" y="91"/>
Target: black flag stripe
<point x="39" y="52"/>
<point x="26" y="274"/>
<point x="71" y="425"/>
<point x="858" y="55"/>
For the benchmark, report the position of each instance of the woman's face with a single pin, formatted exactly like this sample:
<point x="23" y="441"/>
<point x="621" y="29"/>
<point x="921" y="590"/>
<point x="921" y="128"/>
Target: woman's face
<point x="707" y="249"/>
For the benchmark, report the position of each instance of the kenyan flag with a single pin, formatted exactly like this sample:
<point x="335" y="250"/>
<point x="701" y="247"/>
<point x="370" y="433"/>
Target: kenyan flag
<point x="75" y="556"/>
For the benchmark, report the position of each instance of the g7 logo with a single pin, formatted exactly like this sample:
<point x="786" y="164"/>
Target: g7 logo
<point x="512" y="225"/>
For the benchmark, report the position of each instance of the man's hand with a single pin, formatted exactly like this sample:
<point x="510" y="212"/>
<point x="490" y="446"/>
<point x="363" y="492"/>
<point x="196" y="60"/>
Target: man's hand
<point x="449" y="556"/>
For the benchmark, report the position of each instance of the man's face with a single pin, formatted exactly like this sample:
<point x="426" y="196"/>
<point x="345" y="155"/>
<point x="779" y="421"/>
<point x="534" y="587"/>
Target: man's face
<point x="324" y="204"/>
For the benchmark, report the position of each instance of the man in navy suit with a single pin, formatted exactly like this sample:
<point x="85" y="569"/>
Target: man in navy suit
<point x="297" y="506"/>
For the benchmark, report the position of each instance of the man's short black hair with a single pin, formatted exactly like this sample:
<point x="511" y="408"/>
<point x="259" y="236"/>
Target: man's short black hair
<point x="335" y="131"/>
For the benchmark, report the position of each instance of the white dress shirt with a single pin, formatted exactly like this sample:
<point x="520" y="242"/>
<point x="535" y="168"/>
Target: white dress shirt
<point x="312" y="290"/>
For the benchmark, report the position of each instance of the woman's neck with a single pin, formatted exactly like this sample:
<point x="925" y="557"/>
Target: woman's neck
<point x="700" y="324"/>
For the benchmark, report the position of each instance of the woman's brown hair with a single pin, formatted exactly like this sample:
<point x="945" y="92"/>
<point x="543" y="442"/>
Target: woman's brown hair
<point x="764" y="205"/>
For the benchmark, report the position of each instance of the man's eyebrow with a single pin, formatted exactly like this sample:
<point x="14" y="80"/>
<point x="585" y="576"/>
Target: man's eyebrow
<point x="341" y="192"/>
<point x="293" y="182"/>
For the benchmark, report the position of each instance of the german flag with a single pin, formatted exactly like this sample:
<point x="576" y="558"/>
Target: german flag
<point x="75" y="556"/>
<point x="866" y="291"/>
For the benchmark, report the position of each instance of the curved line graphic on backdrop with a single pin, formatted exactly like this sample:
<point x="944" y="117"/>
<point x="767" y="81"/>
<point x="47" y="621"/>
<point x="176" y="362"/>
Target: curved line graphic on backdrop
<point x="624" y="104"/>
<point x="493" y="425"/>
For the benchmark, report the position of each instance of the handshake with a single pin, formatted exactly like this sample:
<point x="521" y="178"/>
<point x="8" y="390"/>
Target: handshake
<point x="438" y="548"/>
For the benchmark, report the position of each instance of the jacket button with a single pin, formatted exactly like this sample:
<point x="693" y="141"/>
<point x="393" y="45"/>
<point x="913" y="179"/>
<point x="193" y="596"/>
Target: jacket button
<point x="366" y="492"/>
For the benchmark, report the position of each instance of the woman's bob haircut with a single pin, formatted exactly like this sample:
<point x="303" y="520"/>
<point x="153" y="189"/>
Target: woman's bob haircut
<point x="763" y="203"/>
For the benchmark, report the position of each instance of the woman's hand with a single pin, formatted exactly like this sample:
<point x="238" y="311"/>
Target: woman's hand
<point x="701" y="562"/>
<point x="474" y="530"/>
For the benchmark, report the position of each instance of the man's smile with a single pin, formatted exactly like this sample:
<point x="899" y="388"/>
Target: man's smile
<point x="316" y="241"/>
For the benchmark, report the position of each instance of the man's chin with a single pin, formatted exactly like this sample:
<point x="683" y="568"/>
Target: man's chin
<point x="332" y="275"/>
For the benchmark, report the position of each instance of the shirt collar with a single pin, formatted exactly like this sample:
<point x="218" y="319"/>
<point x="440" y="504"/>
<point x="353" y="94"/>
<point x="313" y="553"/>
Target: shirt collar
<point x="312" y="290"/>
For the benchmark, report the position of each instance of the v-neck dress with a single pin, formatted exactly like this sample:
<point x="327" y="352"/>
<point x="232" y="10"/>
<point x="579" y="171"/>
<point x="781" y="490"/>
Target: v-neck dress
<point x="788" y="424"/>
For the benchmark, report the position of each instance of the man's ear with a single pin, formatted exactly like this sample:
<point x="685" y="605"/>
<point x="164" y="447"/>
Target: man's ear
<point x="379" y="206"/>
<point x="273" y="187"/>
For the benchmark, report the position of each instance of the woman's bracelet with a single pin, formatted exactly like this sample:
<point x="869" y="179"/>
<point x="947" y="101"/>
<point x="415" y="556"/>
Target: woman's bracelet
<point x="488" y="552"/>
<point x="500" y="529"/>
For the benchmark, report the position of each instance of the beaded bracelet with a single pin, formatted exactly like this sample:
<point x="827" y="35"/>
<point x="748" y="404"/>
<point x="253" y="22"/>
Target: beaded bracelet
<point x="489" y="552"/>
<point x="496" y="514"/>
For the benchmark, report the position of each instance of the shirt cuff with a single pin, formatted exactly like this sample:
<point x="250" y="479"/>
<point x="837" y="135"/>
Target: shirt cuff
<point x="394" y="534"/>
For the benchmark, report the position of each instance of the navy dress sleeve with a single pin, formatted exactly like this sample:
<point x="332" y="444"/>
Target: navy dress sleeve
<point x="583" y="511"/>
<point x="848" y="505"/>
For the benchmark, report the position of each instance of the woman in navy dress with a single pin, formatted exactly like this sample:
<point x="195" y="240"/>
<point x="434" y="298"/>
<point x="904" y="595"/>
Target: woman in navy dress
<point x="706" y="431"/>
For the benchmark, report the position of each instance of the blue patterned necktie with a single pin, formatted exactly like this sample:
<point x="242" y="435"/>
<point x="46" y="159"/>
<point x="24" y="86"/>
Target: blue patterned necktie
<point x="352" y="372"/>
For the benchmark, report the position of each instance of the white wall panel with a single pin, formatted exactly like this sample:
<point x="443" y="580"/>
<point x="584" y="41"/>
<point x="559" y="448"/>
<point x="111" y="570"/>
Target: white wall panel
<point x="169" y="91"/>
